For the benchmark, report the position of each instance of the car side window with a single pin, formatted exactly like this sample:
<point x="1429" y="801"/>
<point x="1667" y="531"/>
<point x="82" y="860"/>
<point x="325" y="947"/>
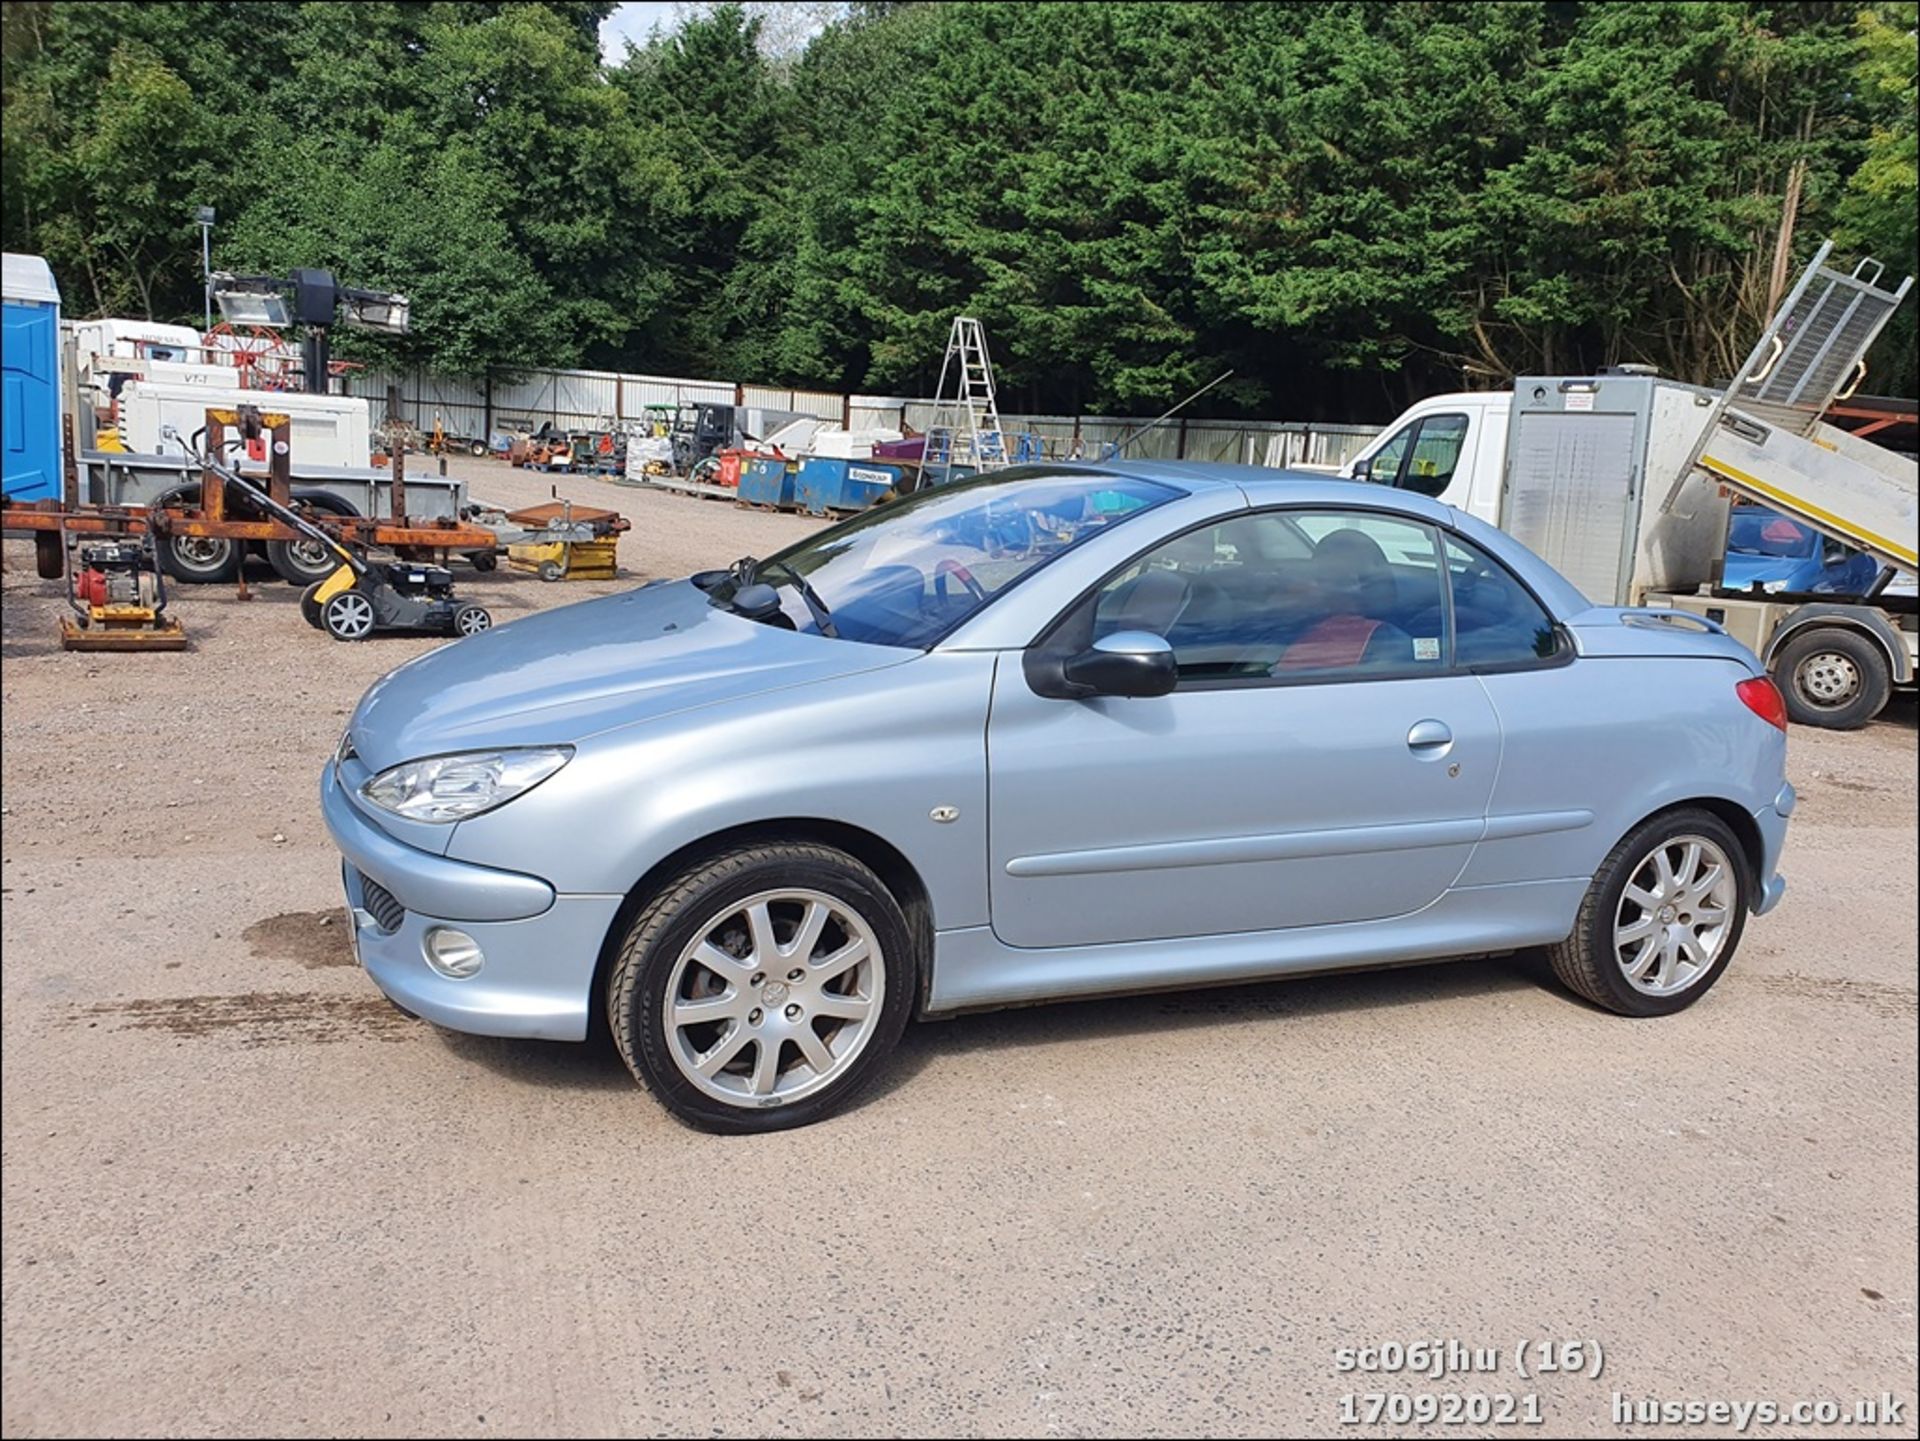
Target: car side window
<point x="1287" y="595"/>
<point x="1496" y="620"/>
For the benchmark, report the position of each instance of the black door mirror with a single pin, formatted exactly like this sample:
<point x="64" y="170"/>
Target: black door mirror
<point x="1363" y="470"/>
<point x="1126" y="663"/>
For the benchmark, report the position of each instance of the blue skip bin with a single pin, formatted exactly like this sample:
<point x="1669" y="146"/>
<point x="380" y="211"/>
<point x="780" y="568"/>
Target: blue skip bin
<point x="818" y="486"/>
<point x="767" y="480"/>
<point x="867" y="484"/>
<point x="843" y="485"/>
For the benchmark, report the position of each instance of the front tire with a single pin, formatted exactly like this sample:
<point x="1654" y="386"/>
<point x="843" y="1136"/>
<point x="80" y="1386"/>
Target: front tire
<point x="471" y="620"/>
<point x="1662" y="919"/>
<point x="763" y="988"/>
<point x="1832" y="678"/>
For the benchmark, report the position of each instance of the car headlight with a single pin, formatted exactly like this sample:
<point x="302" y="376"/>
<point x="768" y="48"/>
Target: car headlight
<point x="451" y="788"/>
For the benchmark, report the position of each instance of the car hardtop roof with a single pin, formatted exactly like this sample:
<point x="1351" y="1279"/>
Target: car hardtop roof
<point x="1264" y="485"/>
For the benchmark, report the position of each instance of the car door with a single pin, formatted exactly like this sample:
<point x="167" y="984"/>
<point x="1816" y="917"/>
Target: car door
<point x="1317" y="763"/>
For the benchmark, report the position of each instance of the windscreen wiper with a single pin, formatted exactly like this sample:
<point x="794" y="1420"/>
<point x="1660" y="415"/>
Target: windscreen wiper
<point x="822" y="617"/>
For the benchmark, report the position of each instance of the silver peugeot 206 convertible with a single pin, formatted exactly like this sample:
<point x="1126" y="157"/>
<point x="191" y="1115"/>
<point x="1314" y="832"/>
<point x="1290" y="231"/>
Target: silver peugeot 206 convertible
<point x="1058" y="731"/>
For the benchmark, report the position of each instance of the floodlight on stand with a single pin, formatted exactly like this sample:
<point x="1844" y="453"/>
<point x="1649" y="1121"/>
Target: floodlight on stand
<point x="388" y="313"/>
<point x="251" y="307"/>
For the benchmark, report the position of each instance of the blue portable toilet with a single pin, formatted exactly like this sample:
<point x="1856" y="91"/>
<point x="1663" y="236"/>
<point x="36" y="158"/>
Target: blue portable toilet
<point x="31" y="354"/>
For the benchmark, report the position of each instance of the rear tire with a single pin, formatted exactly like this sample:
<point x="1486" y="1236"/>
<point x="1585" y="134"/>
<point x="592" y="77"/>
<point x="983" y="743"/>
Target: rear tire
<point x="761" y="938"/>
<point x="1616" y="936"/>
<point x="1832" y="678"/>
<point x="301" y="562"/>
<point x="310" y="608"/>
<point x="199" y="559"/>
<point x="348" y="616"/>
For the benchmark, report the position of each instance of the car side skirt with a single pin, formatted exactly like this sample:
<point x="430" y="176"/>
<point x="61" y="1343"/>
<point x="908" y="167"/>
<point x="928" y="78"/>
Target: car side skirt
<point x="973" y="969"/>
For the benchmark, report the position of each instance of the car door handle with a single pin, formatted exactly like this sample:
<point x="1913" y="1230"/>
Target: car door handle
<point x="1428" y="735"/>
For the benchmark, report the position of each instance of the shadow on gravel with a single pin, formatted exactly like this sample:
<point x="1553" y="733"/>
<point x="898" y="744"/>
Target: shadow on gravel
<point x="1096" y="1022"/>
<point x="596" y="1065"/>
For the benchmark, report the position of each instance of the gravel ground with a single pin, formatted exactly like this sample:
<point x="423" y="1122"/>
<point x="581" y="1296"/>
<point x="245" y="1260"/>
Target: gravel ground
<point x="243" y="1196"/>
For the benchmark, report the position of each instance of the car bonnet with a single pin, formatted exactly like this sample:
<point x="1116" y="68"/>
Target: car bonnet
<point x="559" y="676"/>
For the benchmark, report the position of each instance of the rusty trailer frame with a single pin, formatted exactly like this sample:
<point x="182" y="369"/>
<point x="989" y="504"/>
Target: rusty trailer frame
<point x="53" y="521"/>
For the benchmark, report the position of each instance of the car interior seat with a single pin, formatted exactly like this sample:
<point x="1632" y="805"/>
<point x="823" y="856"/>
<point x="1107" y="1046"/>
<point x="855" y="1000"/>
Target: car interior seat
<point x="1357" y="601"/>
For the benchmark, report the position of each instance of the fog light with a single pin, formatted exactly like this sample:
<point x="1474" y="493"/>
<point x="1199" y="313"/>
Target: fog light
<point x="454" y="954"/>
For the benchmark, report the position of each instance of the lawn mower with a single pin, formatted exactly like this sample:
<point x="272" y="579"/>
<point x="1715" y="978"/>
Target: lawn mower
<point x="363" y="596"/>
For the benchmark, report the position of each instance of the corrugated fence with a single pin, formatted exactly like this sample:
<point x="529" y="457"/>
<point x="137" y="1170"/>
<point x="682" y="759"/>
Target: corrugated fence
<point x="602" y="399"/>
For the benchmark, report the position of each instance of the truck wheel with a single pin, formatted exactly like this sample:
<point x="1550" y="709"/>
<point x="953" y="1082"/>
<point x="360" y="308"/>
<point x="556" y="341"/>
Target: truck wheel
<point x="483" y="560"/>
<point x="1832" y="678"/>
<point x="200" y="559"/>
<point x="49" y="554"/>
<point x="301" y="562"/>
<point x="478" y="449"/>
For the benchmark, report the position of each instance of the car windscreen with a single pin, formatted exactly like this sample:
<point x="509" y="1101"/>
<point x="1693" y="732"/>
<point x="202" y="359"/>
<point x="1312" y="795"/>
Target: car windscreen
<point x="1761" y="532"/>
<point x="908" y="572"/>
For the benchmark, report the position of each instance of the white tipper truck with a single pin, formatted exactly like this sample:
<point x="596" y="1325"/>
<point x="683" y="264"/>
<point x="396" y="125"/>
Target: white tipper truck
<point x="1626" y="483"/>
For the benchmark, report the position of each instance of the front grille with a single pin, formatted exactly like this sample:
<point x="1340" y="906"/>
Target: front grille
<point x="381" y="903"/>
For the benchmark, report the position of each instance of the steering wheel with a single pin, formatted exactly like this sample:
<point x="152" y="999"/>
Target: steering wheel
<point x="952" y="567"/>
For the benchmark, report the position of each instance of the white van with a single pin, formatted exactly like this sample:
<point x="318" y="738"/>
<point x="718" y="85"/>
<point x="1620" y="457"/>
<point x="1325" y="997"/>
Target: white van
<point x="1452" y="447"/>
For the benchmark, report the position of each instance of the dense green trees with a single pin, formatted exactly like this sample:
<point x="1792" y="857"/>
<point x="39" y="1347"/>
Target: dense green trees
<point x="1348" y="203"/>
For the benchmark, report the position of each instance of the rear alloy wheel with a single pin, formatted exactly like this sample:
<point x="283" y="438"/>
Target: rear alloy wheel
<point x="1662" y="918"/>
<point x="348" y="616"/>
<point x="764" y="988"/>
<point x="1832" y="678"/>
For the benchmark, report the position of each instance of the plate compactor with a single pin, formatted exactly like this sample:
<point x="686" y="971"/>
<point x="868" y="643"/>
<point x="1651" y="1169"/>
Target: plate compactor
<point x="118" y="598"/>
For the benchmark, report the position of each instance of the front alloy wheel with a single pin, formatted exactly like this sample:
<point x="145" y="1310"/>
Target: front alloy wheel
<point x="763" y="987"/>
<point x="775" y="998"/>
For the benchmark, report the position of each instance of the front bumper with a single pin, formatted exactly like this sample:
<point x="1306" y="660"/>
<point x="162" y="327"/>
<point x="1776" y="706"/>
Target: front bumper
<point x="1772" y="821"/>
<point x="540" y="948"/>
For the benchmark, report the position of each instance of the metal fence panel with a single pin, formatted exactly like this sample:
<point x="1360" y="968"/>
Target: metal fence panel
<point x="828" y="405"/>
<point x="637" y="392"/>
<point x="578" y="399"/>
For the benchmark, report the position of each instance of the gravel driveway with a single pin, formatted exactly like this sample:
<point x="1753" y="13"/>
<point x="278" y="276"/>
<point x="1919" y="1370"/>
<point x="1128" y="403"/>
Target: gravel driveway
<point x="243" y="1195"/>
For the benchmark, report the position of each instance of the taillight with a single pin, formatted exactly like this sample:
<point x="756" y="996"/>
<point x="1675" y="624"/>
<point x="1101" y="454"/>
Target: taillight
<point x="1763" y="698"/>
